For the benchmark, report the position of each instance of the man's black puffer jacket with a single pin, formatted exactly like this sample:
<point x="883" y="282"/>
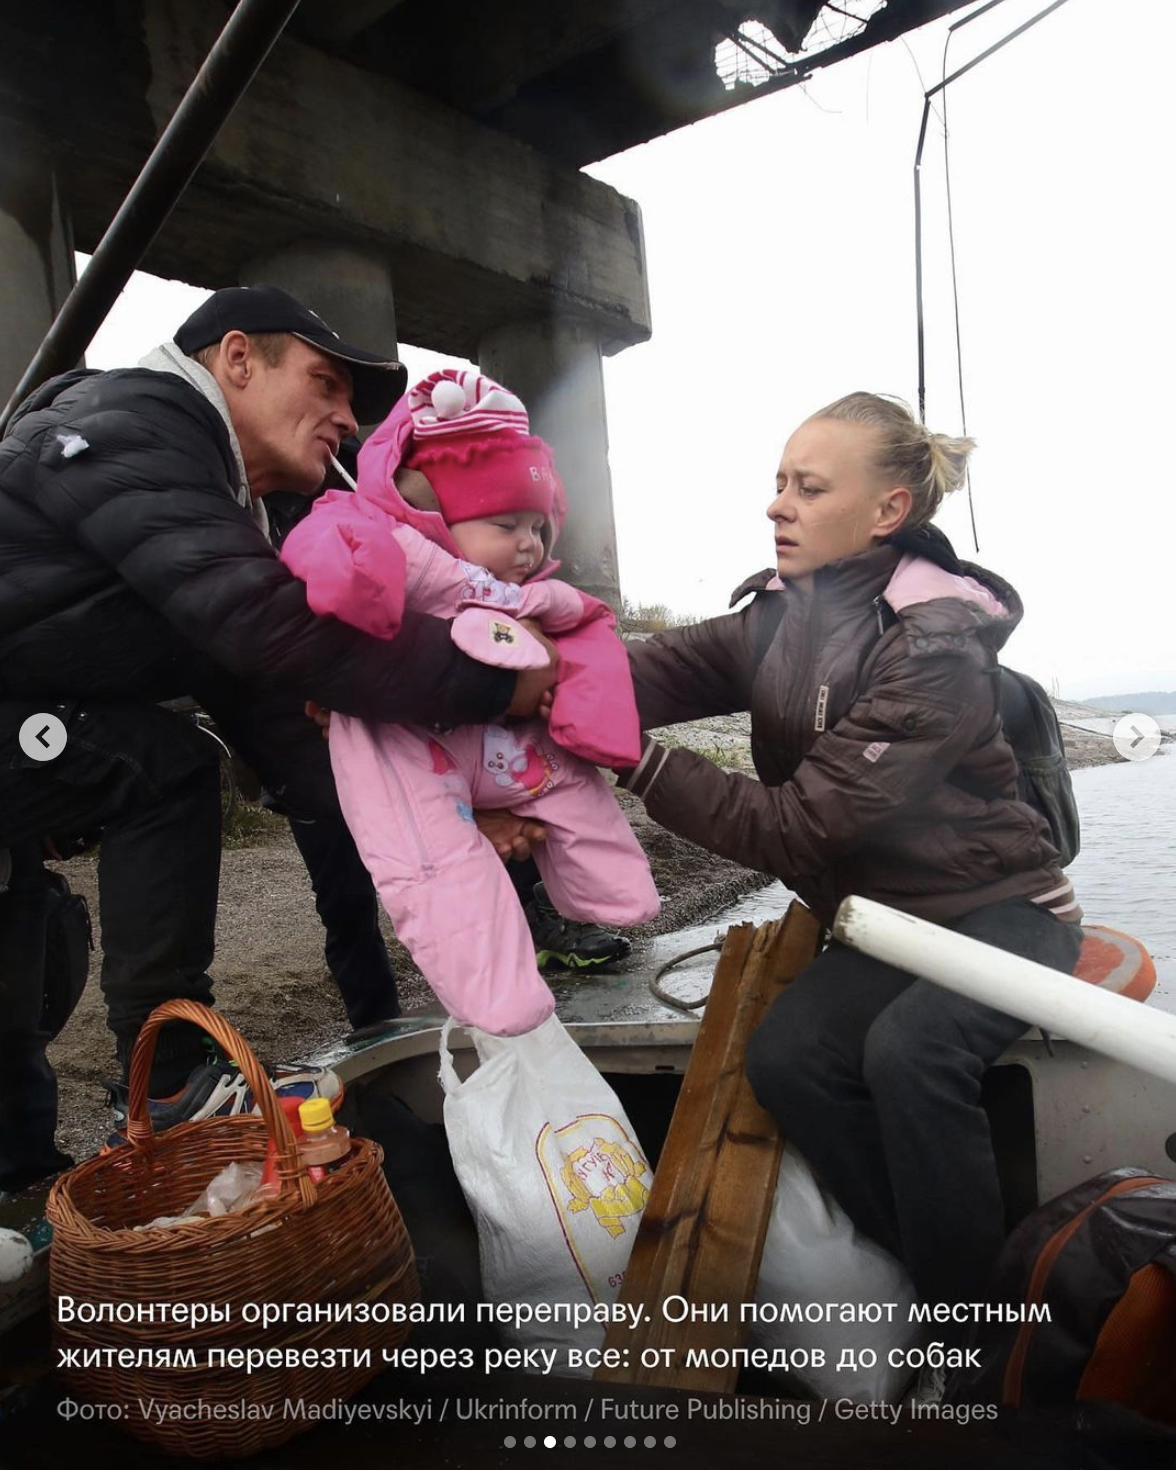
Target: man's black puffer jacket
<point x="129" y="570"/>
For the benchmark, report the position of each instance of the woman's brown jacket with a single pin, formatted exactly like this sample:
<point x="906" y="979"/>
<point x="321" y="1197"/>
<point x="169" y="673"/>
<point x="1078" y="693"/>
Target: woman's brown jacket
<point x="883" y="768"/>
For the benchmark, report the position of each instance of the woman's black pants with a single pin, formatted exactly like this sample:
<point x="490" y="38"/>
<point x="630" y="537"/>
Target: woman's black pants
<point x="875" y="1076"/>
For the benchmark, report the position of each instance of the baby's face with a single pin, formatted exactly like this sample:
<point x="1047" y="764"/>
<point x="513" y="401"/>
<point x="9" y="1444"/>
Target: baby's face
<point x="509" y="546"/>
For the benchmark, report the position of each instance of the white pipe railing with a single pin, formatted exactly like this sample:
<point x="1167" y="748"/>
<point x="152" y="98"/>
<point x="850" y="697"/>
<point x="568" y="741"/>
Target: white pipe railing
<point x="1140" y="1035"/>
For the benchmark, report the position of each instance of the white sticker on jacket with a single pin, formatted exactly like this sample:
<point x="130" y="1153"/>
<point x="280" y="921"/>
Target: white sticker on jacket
<point x="71" y="445"/>
<point x="877" y="750"/>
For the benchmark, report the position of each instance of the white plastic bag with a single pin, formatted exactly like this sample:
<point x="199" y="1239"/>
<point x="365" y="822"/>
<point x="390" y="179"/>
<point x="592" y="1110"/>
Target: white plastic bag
<point x="553" y="1175"/>
<point x="233" y="1188"/>
<point x="813" y="1254"/>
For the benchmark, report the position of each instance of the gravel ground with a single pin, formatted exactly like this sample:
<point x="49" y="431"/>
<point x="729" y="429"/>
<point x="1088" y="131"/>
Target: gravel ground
<point x="270" y="978"/>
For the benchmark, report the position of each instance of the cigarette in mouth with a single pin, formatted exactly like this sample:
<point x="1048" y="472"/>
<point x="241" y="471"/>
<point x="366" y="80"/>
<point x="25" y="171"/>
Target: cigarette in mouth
<point x="344" y="473"/>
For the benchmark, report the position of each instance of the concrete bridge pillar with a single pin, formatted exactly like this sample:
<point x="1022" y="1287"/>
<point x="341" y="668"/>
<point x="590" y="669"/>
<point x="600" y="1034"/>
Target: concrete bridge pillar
<point x="36" y="247"/>
<point x="554" y="365"/>
<point x="349" y="288"/>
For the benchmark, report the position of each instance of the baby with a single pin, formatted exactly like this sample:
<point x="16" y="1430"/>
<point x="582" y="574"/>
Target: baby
<point x="455" y="513"/>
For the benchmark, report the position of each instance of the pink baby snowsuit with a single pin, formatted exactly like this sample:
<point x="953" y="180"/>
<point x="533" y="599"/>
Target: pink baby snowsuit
<point x="409" y="793"/>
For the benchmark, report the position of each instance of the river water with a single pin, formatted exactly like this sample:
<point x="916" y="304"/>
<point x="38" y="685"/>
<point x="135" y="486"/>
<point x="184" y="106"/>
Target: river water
<point x="1124" y="876"/>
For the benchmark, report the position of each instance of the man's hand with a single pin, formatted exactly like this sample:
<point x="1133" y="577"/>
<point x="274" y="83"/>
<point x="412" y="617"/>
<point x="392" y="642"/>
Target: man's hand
<point x="511" y="836"/>
<point x="321" y="717"/>
<point x="532" y="684"/>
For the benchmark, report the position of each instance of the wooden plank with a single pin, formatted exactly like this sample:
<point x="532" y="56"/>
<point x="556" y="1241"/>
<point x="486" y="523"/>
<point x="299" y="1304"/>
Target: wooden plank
<point x="703" y="1229"/>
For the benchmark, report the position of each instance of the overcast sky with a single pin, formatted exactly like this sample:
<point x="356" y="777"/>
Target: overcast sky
<point x="780" y="245"/>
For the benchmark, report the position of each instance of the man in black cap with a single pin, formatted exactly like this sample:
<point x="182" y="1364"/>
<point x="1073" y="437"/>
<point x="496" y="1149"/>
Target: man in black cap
<point x="135" y="568"/>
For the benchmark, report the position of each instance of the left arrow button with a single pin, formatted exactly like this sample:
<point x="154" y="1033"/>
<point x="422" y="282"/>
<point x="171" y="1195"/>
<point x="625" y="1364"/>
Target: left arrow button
<point x="43" y="737"/>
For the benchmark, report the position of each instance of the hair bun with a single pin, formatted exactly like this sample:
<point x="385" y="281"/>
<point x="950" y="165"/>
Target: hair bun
<point x="930" y="465"/>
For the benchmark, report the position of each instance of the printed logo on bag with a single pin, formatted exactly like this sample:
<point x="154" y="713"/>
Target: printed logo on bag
<point x="604" y="1178"/>
<point x="594" y="1171"/>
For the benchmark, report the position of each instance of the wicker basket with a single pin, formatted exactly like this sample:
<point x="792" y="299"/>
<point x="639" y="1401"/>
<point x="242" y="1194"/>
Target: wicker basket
<point x="339" y="1242"/>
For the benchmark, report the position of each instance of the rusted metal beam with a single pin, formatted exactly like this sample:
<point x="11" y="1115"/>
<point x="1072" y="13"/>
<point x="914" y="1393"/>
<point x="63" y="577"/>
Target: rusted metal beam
<point x="231" y="64"/>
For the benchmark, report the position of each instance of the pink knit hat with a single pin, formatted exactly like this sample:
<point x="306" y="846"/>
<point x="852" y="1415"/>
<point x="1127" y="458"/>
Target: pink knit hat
<point x="490" y="413"/>
<point x="471" y="439"/>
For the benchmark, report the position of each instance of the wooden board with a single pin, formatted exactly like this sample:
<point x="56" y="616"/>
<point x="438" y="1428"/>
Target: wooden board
<point x="703" y="1229"/>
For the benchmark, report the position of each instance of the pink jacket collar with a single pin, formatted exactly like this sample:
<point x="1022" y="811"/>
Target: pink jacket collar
<point x="916" y="580"/>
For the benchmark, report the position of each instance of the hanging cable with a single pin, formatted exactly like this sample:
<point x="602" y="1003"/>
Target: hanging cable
<point x="955" y="291"/>
<point x="941" y="86"/>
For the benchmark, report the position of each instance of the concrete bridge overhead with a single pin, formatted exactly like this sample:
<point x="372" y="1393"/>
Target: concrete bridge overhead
<point x="409" y="169"/>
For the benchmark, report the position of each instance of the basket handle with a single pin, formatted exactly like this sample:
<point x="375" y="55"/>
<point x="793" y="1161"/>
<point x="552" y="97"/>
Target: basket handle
<point x="140" y="1134"/>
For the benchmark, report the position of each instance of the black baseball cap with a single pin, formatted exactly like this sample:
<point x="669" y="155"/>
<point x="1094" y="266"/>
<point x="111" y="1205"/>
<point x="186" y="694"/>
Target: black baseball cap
<point x="378" y="381"/>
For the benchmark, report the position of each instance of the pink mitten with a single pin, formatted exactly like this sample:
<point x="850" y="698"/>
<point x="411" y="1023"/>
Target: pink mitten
<point x="493" y="637"/>
<point x="554" y="605"/>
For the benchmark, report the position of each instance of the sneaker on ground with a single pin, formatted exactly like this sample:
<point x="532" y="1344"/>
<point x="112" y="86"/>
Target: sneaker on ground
<point x="566" y="944"/>
<point x="218" y="1089"/>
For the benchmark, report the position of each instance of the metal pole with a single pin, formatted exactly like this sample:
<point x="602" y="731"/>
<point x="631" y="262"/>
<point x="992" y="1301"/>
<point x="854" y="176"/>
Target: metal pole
<point x="1142" y="1036"/>
<point x="230" y="66"/>
<point x="996" y="46"/>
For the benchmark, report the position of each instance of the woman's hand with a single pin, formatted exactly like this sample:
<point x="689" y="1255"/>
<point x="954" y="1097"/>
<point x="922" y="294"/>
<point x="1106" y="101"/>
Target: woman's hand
<point x="511" y="836"/>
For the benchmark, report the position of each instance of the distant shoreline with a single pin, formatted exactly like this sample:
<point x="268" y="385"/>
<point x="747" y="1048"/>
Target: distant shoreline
<point x="726" y="739"/>
<point x="1086" y="748"/>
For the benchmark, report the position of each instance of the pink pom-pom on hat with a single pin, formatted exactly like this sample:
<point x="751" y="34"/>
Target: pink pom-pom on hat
<point x="454" y="402"/>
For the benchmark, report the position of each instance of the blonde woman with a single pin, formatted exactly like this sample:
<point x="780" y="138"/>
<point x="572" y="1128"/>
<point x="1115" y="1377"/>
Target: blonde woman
<point x="868" y="661"/>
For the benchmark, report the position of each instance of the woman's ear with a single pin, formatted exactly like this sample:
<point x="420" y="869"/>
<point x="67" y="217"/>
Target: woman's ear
<point x="893" y="509"/>
<point x="415" y="490"/>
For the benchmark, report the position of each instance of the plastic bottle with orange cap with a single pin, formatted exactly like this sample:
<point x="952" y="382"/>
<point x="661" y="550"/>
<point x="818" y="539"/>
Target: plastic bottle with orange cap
<point x="323" y="1144"/>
